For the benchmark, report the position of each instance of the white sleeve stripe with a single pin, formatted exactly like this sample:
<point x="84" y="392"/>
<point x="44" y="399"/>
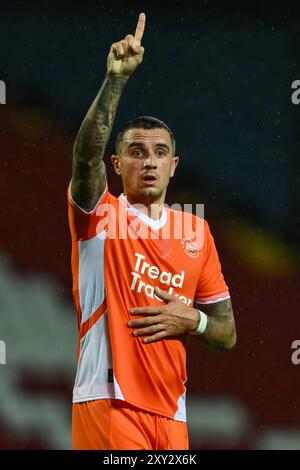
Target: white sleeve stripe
<point x="212" y="301"/>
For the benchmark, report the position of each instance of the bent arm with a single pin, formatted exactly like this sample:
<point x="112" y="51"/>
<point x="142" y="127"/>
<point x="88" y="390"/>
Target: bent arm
<point x="89" y="173"/>
<point x="220" y="332"/>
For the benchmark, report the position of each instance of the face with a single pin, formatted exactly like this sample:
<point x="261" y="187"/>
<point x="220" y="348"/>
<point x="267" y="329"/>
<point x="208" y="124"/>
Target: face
<point x="146" y="164"/>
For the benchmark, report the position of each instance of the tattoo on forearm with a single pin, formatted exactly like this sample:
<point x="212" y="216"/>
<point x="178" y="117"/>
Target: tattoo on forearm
<point x="220" y="330"/>
<point x="89" y="174"/>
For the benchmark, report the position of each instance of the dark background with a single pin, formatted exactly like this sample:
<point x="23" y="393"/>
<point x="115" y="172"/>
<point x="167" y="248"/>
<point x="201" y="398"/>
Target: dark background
<point x="219" y="74"/>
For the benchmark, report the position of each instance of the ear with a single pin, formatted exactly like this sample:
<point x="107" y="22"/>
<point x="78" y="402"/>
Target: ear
<point x="115" y="159"/>
<point x="175" y="161"/>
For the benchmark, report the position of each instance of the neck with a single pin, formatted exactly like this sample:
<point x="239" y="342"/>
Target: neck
<point x="153" y="208"/>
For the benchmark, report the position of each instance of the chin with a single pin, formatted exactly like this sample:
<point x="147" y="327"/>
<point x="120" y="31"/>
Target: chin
<point x="151" y="192"/>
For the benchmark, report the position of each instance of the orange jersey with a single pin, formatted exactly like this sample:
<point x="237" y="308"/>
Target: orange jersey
<point x="118" y="256"/>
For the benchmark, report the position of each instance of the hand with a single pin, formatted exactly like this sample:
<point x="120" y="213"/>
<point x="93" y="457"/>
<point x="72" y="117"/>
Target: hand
<point x="164" y="321"/>
<point x="127" y="54"/>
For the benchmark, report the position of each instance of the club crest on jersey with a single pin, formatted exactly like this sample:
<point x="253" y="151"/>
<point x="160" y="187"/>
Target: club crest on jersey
<point x="190" y="247"/>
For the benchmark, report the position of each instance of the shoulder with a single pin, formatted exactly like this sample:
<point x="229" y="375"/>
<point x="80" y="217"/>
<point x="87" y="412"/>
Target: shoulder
<point x="187" y="215"/>
<point x="189" y="227"/>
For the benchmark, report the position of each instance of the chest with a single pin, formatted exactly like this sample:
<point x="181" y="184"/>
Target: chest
<point x="174" y="264"/>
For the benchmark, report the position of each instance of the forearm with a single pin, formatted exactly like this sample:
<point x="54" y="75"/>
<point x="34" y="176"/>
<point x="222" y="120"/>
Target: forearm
<point x="89" y="175"/>
<point x="95" y="130"/>
<point x="174" y="318"/>
<point x="220" y="332"/>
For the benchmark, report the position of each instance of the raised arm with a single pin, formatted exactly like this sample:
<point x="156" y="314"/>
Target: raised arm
<point x="88" y="173"/>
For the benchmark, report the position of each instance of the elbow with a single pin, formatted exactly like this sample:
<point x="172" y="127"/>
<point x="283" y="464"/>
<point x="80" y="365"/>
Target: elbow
<point x="227" y="344"/>
<point x="231" y="342"/>
<point x="231" y="338"/>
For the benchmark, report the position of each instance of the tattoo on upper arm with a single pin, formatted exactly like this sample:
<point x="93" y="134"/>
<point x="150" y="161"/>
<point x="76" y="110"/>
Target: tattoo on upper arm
<point x="89" y="174"/>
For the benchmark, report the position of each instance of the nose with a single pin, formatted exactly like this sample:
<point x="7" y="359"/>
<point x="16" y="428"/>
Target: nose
<point x="150" y="160"/>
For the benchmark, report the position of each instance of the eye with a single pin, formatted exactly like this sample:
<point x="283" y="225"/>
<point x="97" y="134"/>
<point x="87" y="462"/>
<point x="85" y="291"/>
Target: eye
<point x="161" y="153"/>
<point x="137" y="153"/>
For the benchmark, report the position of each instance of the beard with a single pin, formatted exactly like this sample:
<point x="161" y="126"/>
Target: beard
<point x="151" y="193"/>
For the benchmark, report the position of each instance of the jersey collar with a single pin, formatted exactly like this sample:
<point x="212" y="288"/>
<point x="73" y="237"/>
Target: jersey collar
<point x="154" y="224"/>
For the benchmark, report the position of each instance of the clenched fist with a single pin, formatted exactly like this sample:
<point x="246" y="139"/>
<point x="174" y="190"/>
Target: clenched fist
<point x="127" y="54"/>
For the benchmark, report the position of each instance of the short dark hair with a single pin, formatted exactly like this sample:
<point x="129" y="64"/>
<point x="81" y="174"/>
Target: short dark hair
<point x="143" y="122"/>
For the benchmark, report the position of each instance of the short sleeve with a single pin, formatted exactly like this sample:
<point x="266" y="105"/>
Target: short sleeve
<point x="85" y="225"/>
<point x="211" y="285"/>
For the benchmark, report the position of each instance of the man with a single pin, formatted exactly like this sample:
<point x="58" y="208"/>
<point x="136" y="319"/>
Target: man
<point x="134" y="286"/>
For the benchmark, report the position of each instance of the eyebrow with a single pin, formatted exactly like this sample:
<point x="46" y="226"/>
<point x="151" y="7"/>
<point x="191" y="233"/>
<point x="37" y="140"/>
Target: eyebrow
<point x="141" y="144"/>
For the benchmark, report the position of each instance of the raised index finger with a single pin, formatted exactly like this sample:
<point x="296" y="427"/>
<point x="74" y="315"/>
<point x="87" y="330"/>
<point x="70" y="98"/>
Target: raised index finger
<point x="139" y="31"/>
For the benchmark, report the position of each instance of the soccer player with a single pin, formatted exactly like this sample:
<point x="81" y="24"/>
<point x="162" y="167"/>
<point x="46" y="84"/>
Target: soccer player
<point x="139" y="288"/>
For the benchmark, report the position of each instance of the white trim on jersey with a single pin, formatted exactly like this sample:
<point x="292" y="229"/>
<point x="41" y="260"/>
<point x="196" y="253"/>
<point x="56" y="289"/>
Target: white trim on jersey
<point x="91" y="274"/>
<point x="154" y="224"/>
<point x="92" y="380"/>
<point x="95" y="360"/>
<point x="198" y="300"/>
<point x="181" y="410"/>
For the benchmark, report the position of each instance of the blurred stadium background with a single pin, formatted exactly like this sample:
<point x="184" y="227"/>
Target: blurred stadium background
<point x="220" y="75"/>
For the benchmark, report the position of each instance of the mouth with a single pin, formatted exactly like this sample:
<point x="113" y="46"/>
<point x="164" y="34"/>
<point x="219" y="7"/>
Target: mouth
<point x="149" y="179"/>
